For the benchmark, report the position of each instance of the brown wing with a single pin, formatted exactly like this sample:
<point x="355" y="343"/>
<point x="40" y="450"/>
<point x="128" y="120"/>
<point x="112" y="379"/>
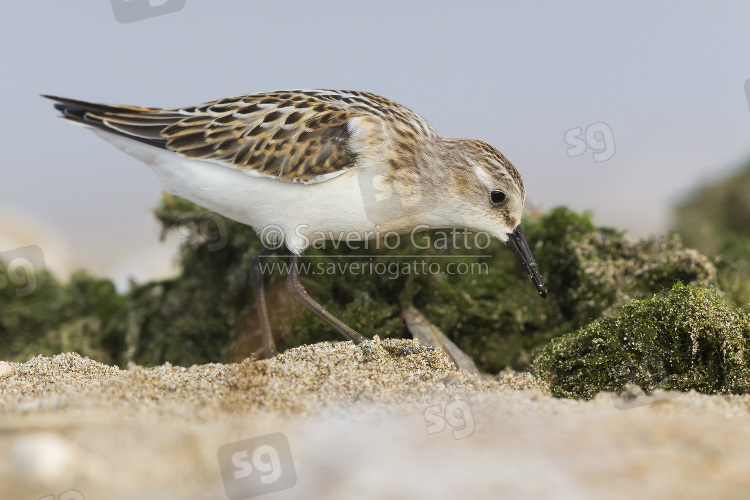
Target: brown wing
<point x="295" y="136"/>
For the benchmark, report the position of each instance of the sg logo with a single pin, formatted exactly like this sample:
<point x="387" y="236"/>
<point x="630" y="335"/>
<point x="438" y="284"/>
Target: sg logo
<point x="129" y="11"/>
<point x="651" y="372"/>
<point x="19" y="269"/>
<point x="598" y="137"/>
<point x="209" y="228"/>
<point x="384" y="200"/>
<point x="457" y="413"/>
<point x="66" y="495"/>
<point x="257" y="466"/>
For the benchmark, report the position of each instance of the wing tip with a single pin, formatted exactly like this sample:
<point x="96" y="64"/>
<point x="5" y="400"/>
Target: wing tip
<point x="97" y="116"/>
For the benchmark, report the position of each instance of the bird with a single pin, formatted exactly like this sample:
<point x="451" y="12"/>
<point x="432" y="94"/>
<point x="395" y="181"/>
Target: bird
<point x="299" y="163"/>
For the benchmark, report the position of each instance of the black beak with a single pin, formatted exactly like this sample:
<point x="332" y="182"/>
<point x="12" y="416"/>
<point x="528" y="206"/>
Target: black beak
<point x="520" y="247"/>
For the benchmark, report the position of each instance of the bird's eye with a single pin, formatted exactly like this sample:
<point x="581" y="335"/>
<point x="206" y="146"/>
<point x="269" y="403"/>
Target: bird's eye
<point x="497" y="197"/>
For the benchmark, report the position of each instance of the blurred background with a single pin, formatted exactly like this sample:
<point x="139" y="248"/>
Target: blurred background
<point x="621" y="109"/>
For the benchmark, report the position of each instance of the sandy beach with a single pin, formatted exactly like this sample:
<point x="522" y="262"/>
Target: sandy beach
<point x="386" y="419"/>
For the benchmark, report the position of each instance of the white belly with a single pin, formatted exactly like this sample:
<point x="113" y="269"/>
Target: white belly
<point x="348" y="206"/>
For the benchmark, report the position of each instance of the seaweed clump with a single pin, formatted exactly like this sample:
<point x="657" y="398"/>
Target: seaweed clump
<point x="686" y="338"/>
<point x="78" y="316"/>
<point x="470" y="287"/>
<point x="593" y="271"/>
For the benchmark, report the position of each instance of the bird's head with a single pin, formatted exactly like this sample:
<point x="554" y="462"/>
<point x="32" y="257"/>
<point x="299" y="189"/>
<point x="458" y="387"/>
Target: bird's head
<point x="491" y="199"/>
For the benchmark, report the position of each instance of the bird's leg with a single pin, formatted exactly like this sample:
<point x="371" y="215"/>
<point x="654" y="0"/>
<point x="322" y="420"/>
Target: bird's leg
<point x="295" y="288"/>
<point x="256" y="278"/>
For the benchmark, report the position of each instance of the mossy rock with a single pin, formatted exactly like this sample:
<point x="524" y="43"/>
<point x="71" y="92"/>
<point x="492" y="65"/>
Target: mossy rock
<point x="686" y="338"/>
<point x="593" y="271"/>
<point x="78" y="316"/>
<point x="207" y="313"/>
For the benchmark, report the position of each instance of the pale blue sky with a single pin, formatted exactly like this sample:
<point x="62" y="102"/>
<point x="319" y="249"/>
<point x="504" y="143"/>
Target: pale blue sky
<point x="666" y="78"/>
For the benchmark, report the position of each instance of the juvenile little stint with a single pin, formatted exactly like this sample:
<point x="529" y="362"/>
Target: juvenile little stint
<point x="319" y="162"/>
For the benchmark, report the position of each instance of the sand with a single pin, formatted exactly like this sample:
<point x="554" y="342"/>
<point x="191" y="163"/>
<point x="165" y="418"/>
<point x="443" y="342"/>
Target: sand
<point x="387" y="419"/>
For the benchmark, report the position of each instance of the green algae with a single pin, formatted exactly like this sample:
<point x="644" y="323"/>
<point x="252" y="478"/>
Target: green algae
<point x="686" y="338"/>
<point x="60" y="318"/>
<point x="596" y="270"/>
<point x="207" y="313"/>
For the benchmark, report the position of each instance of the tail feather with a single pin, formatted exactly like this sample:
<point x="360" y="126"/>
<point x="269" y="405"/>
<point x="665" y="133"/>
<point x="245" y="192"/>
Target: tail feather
<point x="138" y="123"/>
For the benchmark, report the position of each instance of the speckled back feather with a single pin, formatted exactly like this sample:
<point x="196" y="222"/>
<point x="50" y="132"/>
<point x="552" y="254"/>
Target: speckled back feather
<point x="295" y="136"/>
